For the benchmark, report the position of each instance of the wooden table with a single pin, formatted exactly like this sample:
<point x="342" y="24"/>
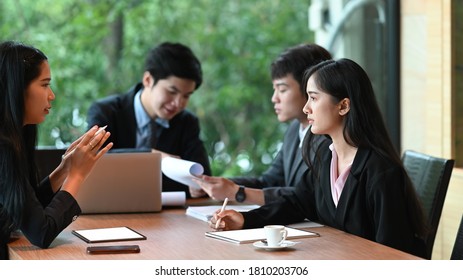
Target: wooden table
<point x="172" y="235"/>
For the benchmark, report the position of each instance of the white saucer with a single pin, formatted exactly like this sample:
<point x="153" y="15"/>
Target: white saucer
<point x="285" y="244"/>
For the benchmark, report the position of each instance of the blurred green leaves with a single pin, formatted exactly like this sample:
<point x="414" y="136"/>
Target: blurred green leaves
<point x="97" y="48"/>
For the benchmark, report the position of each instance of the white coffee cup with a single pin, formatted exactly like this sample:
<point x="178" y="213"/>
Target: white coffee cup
<point x="275" y="235"/>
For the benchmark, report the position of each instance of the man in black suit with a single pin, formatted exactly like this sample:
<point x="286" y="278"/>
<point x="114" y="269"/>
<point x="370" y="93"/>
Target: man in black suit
<point x="288" y="167"/>
<point x="152" y="114"/>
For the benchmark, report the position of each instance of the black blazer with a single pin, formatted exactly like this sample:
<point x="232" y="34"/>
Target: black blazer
<point x="285" y="171"/>
<point x="181" y="138"/>
<point x="372" y="204"/>
<point x="45" y="215"/>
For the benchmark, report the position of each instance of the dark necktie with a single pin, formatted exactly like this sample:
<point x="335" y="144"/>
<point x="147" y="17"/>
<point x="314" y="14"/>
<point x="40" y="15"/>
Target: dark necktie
<point x="154" y="134"/>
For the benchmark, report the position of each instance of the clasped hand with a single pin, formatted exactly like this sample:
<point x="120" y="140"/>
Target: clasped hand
<point x="81" y="156"/>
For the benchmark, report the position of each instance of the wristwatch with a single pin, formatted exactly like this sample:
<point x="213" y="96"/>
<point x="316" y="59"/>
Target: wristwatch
<point x="240" y="195"/>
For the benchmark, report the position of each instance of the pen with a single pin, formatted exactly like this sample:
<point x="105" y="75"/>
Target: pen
<point x="98" y="132"/>
<point x="221" y="210"/>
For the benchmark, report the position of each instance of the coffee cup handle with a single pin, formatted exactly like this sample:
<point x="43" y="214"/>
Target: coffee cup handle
<point x="284" y="233"/>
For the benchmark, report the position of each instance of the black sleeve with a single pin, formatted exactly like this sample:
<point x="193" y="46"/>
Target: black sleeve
<point x="388" y="207"/>
<point x="44" y="192"/>
<point x="42" y="225"/>
<point x="272" y="194"/>
<point x="292" y="207"/>
<point x="44" y="213"/>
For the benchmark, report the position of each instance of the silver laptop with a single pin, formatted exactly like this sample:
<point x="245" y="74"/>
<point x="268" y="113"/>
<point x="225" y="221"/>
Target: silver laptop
<point x="123" y="183"/>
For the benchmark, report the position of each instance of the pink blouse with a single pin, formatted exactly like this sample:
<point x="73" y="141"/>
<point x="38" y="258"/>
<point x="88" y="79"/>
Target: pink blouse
<point x="337" y="180"/>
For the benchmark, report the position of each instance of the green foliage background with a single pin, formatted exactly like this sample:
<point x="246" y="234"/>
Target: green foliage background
<point x="235" y="41"/>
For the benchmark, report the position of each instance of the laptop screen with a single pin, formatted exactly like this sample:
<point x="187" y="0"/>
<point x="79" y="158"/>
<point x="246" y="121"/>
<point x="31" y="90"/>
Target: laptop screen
<point x="123" y="183"/>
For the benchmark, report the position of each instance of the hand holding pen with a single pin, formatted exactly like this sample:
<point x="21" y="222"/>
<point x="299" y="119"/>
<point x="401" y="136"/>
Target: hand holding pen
<point x="227" y="219"/>
<point x="221" y="211"/>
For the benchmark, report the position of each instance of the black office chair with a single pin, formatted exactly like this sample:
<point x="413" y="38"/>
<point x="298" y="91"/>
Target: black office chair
<point x="457" y="252"/>
<point x="47" y="159"/>
<point x="430" y="177"/>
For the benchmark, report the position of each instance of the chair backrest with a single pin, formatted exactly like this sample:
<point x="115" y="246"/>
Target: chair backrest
<point x="430" y="177"/>
<point x="457" y="252"/>
<point x="47" y="158"/>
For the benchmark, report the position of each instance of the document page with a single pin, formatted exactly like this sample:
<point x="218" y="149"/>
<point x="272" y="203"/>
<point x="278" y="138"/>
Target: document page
<point x="182" y="171"/>
<point x="173" y="198"/>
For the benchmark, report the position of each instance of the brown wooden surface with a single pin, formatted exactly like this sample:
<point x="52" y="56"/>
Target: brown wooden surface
<point x="172" y="235"/>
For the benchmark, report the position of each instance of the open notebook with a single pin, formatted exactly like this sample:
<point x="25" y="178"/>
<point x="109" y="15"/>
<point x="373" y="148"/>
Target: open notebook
<point x="255" y="234"/>
<point x="123" y="183"/>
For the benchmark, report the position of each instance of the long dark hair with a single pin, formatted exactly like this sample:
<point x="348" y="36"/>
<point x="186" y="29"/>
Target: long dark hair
<point x="19" y="66"/>
<point x="364" y="126"/>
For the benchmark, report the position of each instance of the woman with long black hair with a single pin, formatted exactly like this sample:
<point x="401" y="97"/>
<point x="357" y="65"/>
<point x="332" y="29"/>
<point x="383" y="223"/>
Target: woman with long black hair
<point x="356" y="182"/>
<point x="40" y="209"/>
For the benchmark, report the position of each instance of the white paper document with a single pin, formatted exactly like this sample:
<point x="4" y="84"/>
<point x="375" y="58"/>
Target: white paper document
<point x="173" y="198"/>
<point x="182" y="171"/>
<point x="205" y="213"/>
